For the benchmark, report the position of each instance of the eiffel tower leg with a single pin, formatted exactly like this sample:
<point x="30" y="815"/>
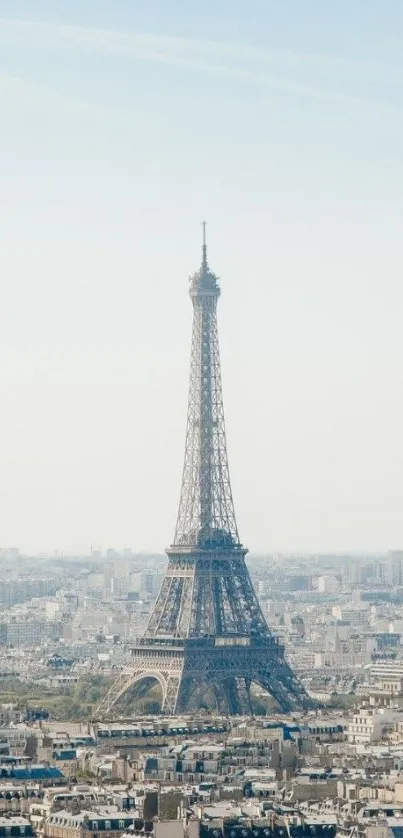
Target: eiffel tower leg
<point x="220" y="697"/>
<point x="244" y="701"/>
<point x="183" y="695"/>
<point x="246" y="694"/>
<point x="234" y="694"/>
<point x="276" y="690"/>
<point x="231" y="695"/>
<point x="284" y="687"/>
<point x="169" y="704"/>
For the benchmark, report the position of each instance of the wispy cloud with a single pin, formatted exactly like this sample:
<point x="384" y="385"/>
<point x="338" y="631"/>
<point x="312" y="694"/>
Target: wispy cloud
<point x="311" y="75"/>
<point x="16" y="88"/>
<point x="191" y="54"/>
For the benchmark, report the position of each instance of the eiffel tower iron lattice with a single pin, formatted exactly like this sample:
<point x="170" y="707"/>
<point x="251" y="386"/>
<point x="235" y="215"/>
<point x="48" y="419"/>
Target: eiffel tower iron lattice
<point x="207" y="627"/>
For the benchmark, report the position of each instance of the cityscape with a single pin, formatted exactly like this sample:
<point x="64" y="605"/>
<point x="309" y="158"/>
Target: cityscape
<point x="200" y="681"/>
<point x="207" y="694"/>
<point x="68" y="627"/>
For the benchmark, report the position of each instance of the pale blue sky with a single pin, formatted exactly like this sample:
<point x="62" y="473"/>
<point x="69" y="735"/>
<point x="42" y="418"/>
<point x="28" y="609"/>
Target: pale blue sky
<point x="122" y="125"/>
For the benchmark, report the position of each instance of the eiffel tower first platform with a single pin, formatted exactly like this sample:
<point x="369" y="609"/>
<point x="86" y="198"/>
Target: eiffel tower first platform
<point x="207" y="632"/>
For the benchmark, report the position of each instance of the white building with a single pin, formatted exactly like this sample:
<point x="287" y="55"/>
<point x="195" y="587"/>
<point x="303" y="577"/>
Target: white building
<point x="351" y="652"/>
<point x="328" y="585"/>
<point x="356" y="615"/>
<point x="370" y="725"/>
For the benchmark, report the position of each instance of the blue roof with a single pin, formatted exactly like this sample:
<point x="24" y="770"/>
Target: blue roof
<point x="37" y="772"/>
<point x="151" y="764"/>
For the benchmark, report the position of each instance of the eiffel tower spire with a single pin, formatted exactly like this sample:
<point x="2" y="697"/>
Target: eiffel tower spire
<point x="206" y="515"/>
<point x="207" y="627"/>
<point x="204" y="247"/>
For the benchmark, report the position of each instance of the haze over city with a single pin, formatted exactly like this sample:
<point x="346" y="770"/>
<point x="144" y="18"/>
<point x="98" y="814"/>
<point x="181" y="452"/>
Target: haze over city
<point x="200" y="243"/>
<point x="123" y="125"/>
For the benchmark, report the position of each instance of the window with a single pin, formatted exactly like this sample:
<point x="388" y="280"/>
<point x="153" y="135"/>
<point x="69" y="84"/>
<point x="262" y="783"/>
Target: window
<point x="107" y="825"/>
<point x="121" y="824"/>
<point x="94" y="825"/>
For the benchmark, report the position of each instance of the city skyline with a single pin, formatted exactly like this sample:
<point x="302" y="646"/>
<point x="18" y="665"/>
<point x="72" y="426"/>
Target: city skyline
<point x="123" y="128"/>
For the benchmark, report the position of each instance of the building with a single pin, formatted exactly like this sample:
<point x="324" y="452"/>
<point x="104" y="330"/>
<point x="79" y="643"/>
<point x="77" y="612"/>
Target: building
<point x="14" y="591"/>
<point x="10" y="714"/>
<point x="15" y="827"/>
<point x="370" y="725"/>
<point x="394" y="571"/>
<point x="18" y="632"/>
<point x="328" y="584"/>
<point x="349" y="652"/>
<point x="88" y="824"/>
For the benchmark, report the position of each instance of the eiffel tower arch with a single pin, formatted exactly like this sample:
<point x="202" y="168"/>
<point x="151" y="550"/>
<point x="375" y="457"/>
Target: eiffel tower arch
<point x="207" y="627"/>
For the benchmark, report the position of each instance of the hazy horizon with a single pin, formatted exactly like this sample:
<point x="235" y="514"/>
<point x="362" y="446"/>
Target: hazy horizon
<point x="123" y="126"/>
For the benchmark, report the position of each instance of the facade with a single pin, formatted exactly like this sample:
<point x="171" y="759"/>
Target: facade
<point x="369" y="725"/>
<point x="388" y="671"/>
<point x="10" y="714"/>
<point x="15" y="827"/>
<point x="92" y="824"/>
<point x="353" y="651"/>
<point x="328" y="584"/>
<point x="394" y="570"/>
<point x="28" y="632"/>
<point x="14" y="591"/>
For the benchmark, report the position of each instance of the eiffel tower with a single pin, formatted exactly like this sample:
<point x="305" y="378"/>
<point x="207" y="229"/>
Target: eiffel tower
<point x="207" y="629"/>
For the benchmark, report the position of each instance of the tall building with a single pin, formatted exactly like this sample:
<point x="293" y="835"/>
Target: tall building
<point x="394" y="573"/>
<point x="207" y="634"/>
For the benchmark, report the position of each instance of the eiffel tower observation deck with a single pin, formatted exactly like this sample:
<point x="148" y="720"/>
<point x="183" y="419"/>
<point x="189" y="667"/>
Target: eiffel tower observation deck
<point x="207" y="636"/>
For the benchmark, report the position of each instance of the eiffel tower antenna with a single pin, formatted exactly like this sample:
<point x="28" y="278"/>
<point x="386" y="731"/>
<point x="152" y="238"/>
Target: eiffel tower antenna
<point x="204" y="257"/>
<point x="207" y="627"/>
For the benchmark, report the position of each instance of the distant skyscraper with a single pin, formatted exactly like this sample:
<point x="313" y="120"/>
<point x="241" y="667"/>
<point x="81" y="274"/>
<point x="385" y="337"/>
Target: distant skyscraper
<point x="395" y="568"/>
<point x="207" y="627"/>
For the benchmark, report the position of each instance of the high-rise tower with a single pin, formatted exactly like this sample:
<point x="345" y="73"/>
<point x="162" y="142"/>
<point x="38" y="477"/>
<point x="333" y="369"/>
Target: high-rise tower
<point x="207" y="627"/>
